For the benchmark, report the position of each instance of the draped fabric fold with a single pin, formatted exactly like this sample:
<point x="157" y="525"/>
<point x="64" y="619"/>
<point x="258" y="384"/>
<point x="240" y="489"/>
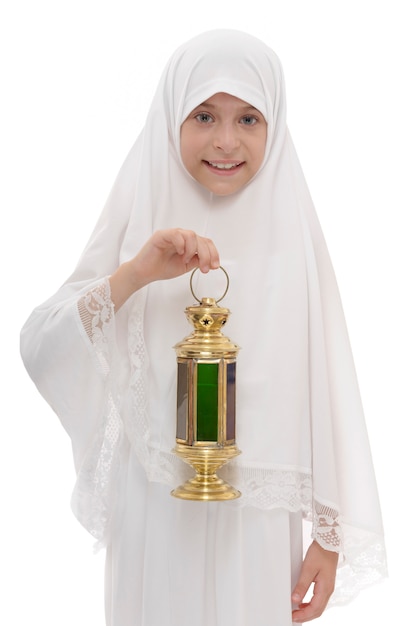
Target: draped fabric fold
<point x="112" y="378"/>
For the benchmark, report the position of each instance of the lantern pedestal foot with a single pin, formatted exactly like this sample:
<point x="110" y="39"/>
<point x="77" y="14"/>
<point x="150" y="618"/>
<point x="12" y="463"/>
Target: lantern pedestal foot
<point x="206" y="485"/>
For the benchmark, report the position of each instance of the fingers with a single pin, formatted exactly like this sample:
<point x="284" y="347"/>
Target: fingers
<point x="307" y="611"/>
<point x="207" y="255"/>
<point x="195" y="251"/>
<point x="319" y="568"/>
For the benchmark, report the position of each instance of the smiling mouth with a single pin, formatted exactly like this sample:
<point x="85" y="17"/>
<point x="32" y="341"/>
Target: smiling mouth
<point x="224" y="166"/>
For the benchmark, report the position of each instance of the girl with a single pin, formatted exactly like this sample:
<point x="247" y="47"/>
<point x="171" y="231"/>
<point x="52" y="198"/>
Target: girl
<point x="213" y="177"/>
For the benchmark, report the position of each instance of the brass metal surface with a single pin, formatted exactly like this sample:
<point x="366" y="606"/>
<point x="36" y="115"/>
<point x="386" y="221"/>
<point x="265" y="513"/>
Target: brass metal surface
<point x="206" y="484"/>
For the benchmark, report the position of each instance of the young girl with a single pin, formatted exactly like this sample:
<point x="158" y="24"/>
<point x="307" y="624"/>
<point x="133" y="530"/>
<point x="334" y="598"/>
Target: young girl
<point x="213" y="178"/>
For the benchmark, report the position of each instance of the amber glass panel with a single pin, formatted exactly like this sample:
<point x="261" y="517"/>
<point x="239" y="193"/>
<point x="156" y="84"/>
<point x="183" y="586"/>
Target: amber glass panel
<point x="182" y="401"/>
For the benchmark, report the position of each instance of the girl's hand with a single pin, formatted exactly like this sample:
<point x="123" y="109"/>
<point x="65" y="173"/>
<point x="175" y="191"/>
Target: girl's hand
<point x="173" y="252"/>
<point x="319" y="567"/>
<point x="167" y="254"/>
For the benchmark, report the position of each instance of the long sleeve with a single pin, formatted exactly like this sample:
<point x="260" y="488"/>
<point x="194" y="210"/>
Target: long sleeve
<point x="65" y="347"/>
<point x="67" y="365"/>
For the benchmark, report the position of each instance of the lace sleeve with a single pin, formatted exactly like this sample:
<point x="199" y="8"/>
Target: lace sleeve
<point x="96" y="312"/>
<point x="326" y="529"/>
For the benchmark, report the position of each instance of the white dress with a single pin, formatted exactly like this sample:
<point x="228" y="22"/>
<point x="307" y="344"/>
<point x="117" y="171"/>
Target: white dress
<point x="177" y="563"/>
<point x="112" y="378"/>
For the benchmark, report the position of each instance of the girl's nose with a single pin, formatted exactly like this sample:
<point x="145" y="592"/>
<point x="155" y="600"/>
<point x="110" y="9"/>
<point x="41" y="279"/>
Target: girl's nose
<point x="226" y="138"/>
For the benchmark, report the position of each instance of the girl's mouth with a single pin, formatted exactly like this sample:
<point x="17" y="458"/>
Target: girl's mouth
<point x="224" y="167"/>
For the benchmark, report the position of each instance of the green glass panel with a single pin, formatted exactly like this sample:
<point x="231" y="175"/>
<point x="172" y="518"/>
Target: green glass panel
<point x="230" y="401"/>
<point x="207" y="401"/>
<point x="182" y="401"/>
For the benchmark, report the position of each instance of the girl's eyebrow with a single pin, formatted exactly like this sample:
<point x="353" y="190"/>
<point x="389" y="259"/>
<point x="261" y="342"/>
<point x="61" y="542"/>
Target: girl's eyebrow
<point x="247" y="108"/>
<point x="206" y="104"/>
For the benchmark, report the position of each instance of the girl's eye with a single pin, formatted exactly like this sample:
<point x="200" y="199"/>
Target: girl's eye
<point x="248" y="120"/>
<point x="204" y="118"/>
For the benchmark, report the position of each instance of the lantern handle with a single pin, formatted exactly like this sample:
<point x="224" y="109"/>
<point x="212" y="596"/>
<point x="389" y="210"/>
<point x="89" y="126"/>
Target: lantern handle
<point x="224" y="293"/>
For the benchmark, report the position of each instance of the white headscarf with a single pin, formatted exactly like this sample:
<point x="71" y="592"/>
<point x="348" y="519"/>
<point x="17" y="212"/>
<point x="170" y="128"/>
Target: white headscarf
<point x="300" y="423"/>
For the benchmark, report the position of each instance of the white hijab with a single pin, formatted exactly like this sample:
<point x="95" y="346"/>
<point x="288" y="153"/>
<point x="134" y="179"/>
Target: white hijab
<point x="300" y="423"/>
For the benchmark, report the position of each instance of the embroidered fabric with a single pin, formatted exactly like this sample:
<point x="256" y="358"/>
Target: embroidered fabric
<point x="96" y="312"/>
<point x="137" y="414"/>
<point x="92" y="499"/>
<point x="326" y="528"/>
<point x="363" y="563"/>
<point x="268" y="488"/>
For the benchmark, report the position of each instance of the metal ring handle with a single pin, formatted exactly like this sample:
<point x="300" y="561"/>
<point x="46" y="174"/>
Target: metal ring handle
<point x="224" y="293"/>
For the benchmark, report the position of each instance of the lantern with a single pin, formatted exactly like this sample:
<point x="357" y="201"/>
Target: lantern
<point x="206" y="366"/>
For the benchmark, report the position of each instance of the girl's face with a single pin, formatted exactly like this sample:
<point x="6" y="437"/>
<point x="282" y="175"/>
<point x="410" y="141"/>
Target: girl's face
<point x="222" y="143"/>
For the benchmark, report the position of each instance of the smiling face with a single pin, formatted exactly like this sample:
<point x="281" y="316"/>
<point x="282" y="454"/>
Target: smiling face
<point x="222" y="143"/>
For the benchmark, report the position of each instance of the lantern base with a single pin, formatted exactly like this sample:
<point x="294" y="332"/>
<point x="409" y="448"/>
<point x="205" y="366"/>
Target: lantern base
<point x="206" y="485"/>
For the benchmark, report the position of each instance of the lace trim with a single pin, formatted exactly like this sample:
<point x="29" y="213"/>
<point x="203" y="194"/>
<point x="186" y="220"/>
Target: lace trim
<point x="137" y="417"/>
<point x="96" y="312"/>
<point x="326" y="527"/>
<point x="93" y="495"/>
<point x="92" y="500"/>
<point x="363" y="564"/>
<point x="268" y="488"/>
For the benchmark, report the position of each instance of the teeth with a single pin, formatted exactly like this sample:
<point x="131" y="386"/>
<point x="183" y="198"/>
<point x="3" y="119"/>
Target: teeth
<point x="223" y="166"/>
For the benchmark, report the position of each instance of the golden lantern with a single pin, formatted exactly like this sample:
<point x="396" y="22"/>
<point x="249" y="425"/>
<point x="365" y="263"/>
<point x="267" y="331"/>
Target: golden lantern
<point x="206" y="367"/>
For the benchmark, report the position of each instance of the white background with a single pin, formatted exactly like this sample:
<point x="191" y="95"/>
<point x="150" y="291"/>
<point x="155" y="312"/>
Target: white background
<point x="77" y="78"/>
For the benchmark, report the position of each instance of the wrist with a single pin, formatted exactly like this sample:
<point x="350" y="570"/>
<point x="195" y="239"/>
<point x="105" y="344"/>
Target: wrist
<point x="124" y="282"/>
